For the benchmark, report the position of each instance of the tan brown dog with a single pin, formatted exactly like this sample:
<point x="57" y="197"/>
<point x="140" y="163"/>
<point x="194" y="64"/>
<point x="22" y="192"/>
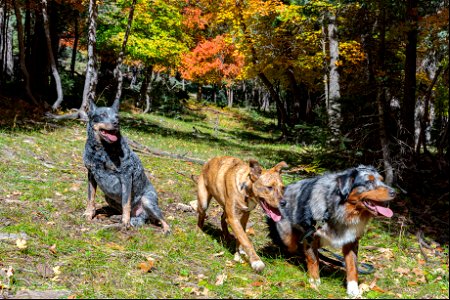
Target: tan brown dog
<point x="239" y="187"/>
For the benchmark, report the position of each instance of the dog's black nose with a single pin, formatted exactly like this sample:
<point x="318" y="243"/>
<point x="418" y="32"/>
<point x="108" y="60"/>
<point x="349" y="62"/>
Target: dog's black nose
<point x="283" y="203"/>
<point x="392" y="193"/>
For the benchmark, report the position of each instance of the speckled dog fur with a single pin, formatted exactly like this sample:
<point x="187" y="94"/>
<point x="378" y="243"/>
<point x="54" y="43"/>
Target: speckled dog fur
<point x="334" y="209"/>
<point x="118" y="171"/>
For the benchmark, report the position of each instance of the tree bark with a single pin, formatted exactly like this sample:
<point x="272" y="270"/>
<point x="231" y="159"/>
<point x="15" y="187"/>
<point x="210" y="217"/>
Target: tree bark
<point x="90" y="82"/>
<point x="51" y="57"/>
<point x="146" y="87"/>
<point x="333" y="105"/>
<point x="425" y="119"/>
<point x="117" y="72"/>
<point x="23" y="66"/>
<point x="409" y="92"/>
<point x="324" y="52"/>
<point x="75" y="46"/>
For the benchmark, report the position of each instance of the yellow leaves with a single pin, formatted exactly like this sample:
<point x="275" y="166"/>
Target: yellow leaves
<point x="351" y="52"/>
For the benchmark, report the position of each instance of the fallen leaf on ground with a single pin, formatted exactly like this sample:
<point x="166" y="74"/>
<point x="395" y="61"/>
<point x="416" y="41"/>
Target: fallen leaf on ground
<point x="402" y="271"/>
<point x="219" y="254"/>
<point x="220" y="279"/>
<point x="257" y="283"/>
<point x="52" y="248"/>
<point x="376" y="288"/>
<point x="115" y="246"/>
<point x="147" y="266"/>
<point x="45" y="271"/>
<point x="21" y="243"/>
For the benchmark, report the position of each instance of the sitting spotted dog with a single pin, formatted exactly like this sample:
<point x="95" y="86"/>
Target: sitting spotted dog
<point x="118" y="171"/>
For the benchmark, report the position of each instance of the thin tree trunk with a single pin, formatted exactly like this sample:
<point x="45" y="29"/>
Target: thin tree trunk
<point x="333" y="107"/>
<point x="23" y="66"/>
<point x="117" y="72"/>
<point x="384" y="141"/>
<point x="409" y="98"/>
<point x="75" y="46"/>
<point x="229" y="91"/>
<point x="425" y="120"/>
<point x="146" y="87"/>
<point x="90" y="82"/>
<point x="324" y="52"/>
<point x="27" y="31"/>
<point x="52" y="57"/>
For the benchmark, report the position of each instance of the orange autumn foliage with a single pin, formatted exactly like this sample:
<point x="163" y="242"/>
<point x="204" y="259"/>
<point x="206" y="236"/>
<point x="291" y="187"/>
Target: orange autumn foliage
<point x="212" y="61"/>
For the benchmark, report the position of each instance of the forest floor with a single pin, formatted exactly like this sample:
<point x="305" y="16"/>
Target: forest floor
<point x="48" y="249"/>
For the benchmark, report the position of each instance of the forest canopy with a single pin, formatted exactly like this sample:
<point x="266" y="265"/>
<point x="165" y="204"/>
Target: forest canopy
<point x="367" y="78"/>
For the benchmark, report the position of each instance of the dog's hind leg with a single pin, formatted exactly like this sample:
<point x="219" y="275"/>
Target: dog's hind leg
<point x="92" y="188"/>
<point x="224" y="225"/>
<point x="150" y="209"/>
<point x="203" y="199"/>
<point x="312" y="261"/>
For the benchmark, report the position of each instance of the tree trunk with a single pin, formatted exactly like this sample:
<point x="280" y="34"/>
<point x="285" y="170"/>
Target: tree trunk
<point x="27" y="31"/>
<point x="409" y="92"/>
<point x="145" y="88"/>
<point x="6" y="45"/>
<point x="325" y="64"/>
<point x="333" y="105"/>
<point x="280" y="107"/>
<point x="229" y="91"/>
<point x="425" y="119"/>
<point x="52" y="57"/>
<point x="199" y="93"/>
<point x="75" y="46"/>
<point x="23" y="66"/>
<point x="117" y="72"/>
<point x="90" y="82"/>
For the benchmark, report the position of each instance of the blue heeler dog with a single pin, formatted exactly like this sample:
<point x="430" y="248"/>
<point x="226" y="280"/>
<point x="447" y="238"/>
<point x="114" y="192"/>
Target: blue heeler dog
<point x="118" y="171"/>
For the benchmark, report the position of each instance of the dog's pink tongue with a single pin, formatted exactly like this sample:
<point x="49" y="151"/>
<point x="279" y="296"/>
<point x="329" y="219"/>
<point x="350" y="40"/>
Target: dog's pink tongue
<point x="387" y="212"/>
<point x="111" y="137"/>
<point x="271" y="212"/>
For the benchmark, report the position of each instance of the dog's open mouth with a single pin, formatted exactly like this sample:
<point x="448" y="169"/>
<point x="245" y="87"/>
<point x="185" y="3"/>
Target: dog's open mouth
<point x="378" y="208"/>
<point x="271" y="212"/>
<point x="110" y="135"/>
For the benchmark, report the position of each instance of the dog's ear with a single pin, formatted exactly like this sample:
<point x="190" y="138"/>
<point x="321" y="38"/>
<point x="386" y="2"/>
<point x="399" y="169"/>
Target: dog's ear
<point x="345" y="183"/>
<point x="115" y="105"/>
<point x="280" y="166"/>
<point x="255" y="169"/>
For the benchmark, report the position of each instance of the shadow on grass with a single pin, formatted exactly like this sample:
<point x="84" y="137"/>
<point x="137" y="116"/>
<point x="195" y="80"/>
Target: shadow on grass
<point x="216" y="233"/>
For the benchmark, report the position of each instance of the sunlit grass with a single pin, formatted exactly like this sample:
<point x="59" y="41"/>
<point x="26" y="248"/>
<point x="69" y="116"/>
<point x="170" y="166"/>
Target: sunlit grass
<point x="43" y="194"/>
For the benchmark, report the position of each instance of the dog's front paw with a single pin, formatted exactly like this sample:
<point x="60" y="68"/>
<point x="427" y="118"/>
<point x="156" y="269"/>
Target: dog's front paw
<point x="89" y="214"/>
<point x="258" y="266"/>
<point x="353" y="289"/>
<point x="314" y="282"/>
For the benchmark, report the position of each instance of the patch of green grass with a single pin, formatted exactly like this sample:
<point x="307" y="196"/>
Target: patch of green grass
<point x="43" y="194"/>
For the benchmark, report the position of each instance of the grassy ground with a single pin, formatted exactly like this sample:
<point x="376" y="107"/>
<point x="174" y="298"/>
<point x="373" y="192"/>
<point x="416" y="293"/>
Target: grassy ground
<point x="43" y="195"/>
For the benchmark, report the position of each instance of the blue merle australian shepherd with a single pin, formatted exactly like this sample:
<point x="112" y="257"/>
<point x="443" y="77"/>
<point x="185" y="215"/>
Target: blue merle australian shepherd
<point x="331" y="210"/>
